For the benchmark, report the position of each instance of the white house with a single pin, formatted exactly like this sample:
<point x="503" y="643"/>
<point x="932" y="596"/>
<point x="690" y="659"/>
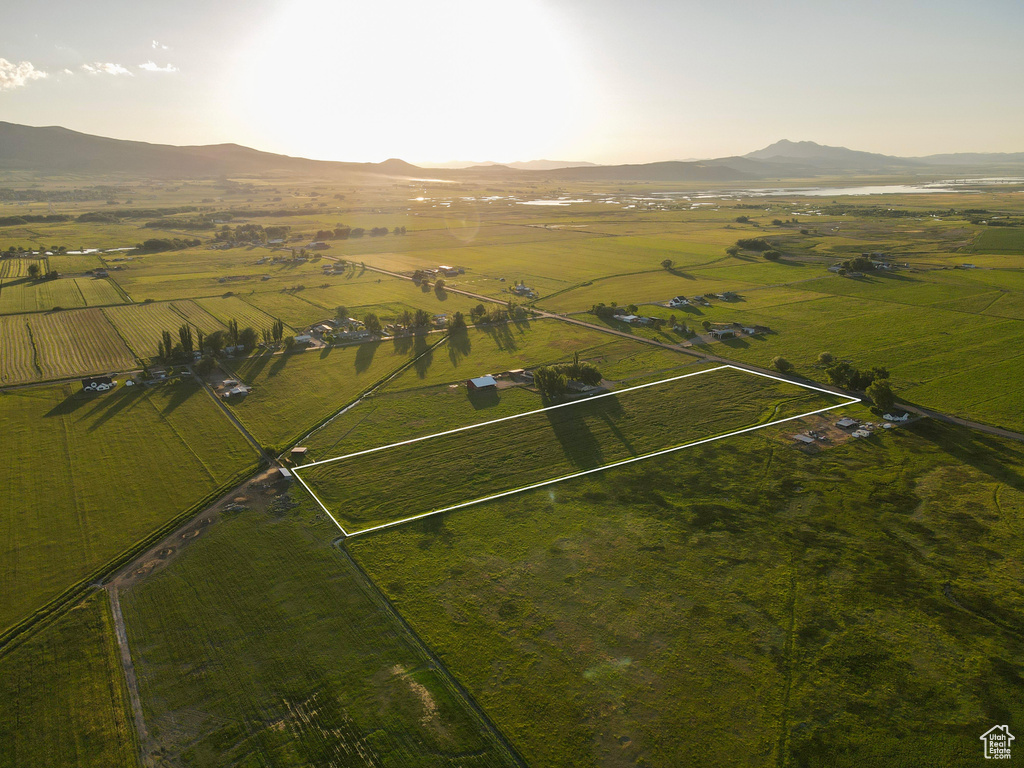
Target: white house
<point x="679" y="301"/>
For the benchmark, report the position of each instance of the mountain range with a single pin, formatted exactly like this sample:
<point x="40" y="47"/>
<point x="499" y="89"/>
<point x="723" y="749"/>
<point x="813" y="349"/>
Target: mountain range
<point x="55" y="150"/>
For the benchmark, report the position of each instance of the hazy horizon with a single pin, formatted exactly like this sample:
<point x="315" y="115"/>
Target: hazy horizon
<point x="584" y="82"/>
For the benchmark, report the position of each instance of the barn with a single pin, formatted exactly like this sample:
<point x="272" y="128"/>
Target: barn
<point x="481" y="382"/>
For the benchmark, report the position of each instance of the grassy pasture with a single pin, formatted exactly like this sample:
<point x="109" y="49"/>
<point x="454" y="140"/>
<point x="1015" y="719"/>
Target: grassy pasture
<point x="309" y="671"/>
<point x="86" y="476"/>
<point x="369" y="490"/>
<point x="640" y="288"/>
<point x="820" y="604"/>
<point x="1000" y="240"/>
<point x="292" y="392"/>
<point x="141" y="325"/>
<point x="62" y="697"/>
<point x="33" y="296"/>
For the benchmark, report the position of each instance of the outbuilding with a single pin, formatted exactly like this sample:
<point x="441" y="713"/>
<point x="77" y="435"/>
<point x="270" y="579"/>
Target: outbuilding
<point x="98" y="384"/>
<point x="481" y="382"/>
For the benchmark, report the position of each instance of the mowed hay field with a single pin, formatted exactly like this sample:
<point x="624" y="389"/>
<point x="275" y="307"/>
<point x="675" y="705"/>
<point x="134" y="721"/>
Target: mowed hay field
<point x="62" y="696"/>
<point x="398" y="482"/>
<point x="78" y="342"/>
<point x="260" y="644"/>
<point x="818" y="603"/>
<point x="86" y="476"/>
<point x="233" y="308"/>
<point x="141" y="325"/>
<point x="57" y="345"/>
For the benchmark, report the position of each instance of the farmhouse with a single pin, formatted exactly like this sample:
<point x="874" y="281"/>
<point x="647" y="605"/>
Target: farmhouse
<point x="722" y="333"/>
<point x="303" y="338"/>
<point x="318" y="245"/>
<point x="439" y="321"/>
<point x="447" y="271"/>
<point x="679" y="301"/>
<point x="481" y="382"/>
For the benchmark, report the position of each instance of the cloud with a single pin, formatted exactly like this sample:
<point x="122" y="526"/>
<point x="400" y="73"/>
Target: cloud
<point x="68" y="71"/>
<point x="160" y="46"/>
<point x="17" y="75"/>
<point x="107" y="68"/>
<point x="150" y="66"/>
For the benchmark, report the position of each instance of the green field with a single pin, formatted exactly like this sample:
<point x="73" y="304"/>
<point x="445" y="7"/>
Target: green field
<point x="370" y="490"/>
<point x="819" y="604"/>
<point x="86" y="476"/>
<point x="62" y="698"/>
<point x="233" y="308"/>
<point x="293" y="392"/>
<point x="306" y="671"/>
<point x="33" y="296"/>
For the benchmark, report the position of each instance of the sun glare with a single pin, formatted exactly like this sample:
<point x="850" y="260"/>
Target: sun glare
<point x="456" y="79"/>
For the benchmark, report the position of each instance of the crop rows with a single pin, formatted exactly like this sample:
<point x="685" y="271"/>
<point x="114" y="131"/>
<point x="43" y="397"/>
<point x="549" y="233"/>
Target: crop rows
<point x="141" y="325"/>
<point x="78" y="342"/>
<point x="233" y="308"/>
<point x="16" y="356"/>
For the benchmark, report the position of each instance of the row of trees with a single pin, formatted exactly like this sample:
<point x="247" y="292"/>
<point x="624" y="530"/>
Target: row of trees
<point x="191" y="340"/>
<point x="553" y="380"/>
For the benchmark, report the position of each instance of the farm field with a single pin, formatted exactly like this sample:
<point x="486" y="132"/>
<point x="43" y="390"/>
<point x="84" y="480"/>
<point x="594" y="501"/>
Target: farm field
<point x="309" y="671"/>
<point x="62" y="697"/>
<point x="31" y="296"/>
<point x="77" y="342"/>
<point x="293" y="392"/>
<point x="398" y="482"/>
<point x="162" y="449"/>
<point x="819" y="603"/>
<point x="141" y="325"/>
<point x="293" y="309"/>
<point x="233" y="308"/>
<point x="17" y="356"/>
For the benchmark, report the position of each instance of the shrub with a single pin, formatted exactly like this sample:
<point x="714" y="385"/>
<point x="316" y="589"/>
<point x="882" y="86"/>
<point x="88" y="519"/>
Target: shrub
<point x="781" y="364"/>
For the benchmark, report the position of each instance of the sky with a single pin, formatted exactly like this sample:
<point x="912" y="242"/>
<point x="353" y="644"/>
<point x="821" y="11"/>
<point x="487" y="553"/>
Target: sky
<point x="603" y="81"/>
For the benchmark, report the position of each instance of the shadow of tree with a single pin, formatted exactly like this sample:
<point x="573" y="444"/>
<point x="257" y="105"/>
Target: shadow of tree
<point x="425" y="356"/>
<point x="991" y="455"/>
<point x="503" y="337"/>
<point x="364" y="355"/>
<point x="459" y="345"/>
<point x="570" y="427"/>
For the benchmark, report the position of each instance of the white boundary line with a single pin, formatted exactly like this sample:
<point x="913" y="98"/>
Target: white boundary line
<point x="849" y="401"/>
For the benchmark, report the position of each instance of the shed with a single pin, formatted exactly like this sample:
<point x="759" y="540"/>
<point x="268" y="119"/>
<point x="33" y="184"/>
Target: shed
<point x="804" y="438"/>
<point x="98" y="384"/>
<point x="299" y="452"/>
<point x="847" y="422"/>
<point x="481" y="382"/>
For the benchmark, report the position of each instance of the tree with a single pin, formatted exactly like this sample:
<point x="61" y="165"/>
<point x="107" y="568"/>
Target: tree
<point x="205" y="365"/>
<point x="781" y="364"/>
<point x="439" y="285"/>
<point x="268" y="336"/>
<point x="248" y="338"/>
<point x="706" y="325"/>
<point x="825" y="358"/>
<point x="550" y="382"/>
<point x="422" y="319"/>
<point x="233" y="331"/>
<point x="34" y="271"/>
<point x="168" y="345"/>
<point x="341" y="314"/>
<point x="881" y="394"/>
<point x="215" y="342"/>
<point x="776" y="222"/>
<point x="733" y="250"/>
<point x="477" y="312"/>
<point x="185" y="334"/>
<point x="372" y="323"/>
<point x="200" y="339"/>
<point x="277" y="331"/>
<point x="458" y="321"/>
<point x="773" y="255"/>
<point x="742" y="219"/>
<point x="666" y="264"/>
